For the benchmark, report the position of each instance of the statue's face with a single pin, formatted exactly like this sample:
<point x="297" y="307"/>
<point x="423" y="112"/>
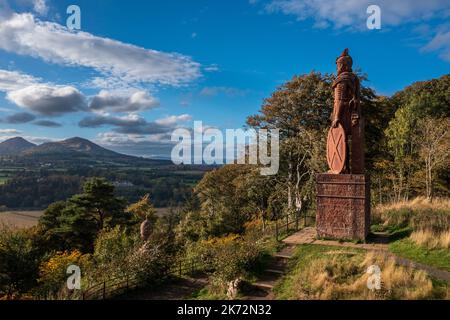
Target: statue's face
<point x="342" y="66"/>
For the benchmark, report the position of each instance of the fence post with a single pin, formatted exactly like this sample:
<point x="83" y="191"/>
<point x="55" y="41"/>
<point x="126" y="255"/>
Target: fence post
<point x="276" y="229"/>
<point x="305" y="219"/>
<point x="104" y="290"/>
<point x="287" y="224"/>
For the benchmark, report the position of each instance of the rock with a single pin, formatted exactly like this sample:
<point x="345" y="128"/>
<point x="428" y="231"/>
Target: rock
<point x="233" y="287"/>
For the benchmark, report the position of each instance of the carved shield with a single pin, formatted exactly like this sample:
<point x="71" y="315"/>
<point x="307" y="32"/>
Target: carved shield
<point x="336" y="149"/>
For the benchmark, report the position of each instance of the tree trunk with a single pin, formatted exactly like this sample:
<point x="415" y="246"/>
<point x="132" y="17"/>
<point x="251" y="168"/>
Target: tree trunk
<point x="289" y="196"/>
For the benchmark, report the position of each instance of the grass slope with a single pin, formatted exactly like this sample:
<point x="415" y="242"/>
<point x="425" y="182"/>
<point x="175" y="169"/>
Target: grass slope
<point x="439" y="258"/>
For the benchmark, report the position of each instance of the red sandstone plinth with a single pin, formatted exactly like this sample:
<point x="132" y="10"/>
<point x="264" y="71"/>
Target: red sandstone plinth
<point x="343" y="206"/>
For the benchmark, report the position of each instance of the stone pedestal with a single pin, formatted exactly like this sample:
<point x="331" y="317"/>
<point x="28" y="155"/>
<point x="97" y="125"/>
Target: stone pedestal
<point x="343" y="206"/>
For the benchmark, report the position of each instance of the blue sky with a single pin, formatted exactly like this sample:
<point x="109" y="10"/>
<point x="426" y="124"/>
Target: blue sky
<point x="138" y="69"/>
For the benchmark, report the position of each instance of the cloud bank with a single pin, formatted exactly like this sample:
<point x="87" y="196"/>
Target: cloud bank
<point x="345" y="13"/>
<point x="25" y="35"/>
<point x="49" y="100"/>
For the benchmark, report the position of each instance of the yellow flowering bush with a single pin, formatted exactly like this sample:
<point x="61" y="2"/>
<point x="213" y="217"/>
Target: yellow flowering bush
<point x="53" y="271"/>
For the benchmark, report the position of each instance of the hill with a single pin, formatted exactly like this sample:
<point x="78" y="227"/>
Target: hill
<point x="15" y="146"/>
<point x="73" y="146"/>
<point x="68" y="153"/>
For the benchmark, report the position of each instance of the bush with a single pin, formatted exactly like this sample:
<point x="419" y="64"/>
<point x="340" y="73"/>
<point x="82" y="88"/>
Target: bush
<point x="150" y="263"/>
<point x="111" y="249"/>
<point x="18" y="262"/>
<point x="53" y="273"/>
<point x="228" y="258"/>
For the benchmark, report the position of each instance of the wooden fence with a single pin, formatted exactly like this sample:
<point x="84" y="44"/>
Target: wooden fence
<point x="280" y="228"/>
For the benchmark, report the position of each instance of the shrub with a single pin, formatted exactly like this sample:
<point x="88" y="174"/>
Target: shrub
<point x="149" y="264"/>
<point x="18" y="262"/>
<point x="53" y="273"/>
<point x="228" y="258"/>
<point x="111" y="249"/>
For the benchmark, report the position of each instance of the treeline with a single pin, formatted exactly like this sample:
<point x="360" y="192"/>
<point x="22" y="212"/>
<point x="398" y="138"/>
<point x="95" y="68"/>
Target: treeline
<point x="38" y="189"/>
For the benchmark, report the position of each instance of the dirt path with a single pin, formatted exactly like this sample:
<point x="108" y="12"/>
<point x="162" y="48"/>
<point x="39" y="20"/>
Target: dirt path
<point x="275" y="270"/>
<point x="434" y="272"/>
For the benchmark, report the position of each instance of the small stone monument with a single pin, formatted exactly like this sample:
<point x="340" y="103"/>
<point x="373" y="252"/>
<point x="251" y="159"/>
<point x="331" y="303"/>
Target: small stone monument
<point x="343" y="193"/>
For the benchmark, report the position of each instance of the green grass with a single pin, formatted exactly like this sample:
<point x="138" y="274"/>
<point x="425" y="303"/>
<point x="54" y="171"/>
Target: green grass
<point x="439" y="258"/>
<point x="3" y="180"/>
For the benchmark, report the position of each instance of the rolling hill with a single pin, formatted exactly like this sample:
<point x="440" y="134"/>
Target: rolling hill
<point x="76" y="150"/>
<point x="72" y="146"/>
<point x="15" y="146"/>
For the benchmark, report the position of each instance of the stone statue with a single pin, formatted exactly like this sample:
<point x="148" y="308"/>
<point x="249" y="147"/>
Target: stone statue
<point x="345" y="147"/>
<point x="146" y="229"/>
<point x="343" y="193"/>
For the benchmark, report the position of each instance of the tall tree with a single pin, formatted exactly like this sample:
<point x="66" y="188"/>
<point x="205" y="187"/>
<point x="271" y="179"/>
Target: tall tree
<point x="434" y="137"/>
<point x="401" y="145"/>
<point x="78" y="221"/>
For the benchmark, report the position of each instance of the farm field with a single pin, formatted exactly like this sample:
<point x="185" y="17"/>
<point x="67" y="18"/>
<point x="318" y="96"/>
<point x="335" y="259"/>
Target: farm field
<point x="28" y="219"/>
<point x="20" y="219"/>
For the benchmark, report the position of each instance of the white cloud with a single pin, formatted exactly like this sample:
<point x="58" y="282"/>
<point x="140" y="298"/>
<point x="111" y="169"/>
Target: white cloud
<point x="152" y="146"/>
<point x="440" y="43"/>
<point x="352" y="13"/>
<point x="131" y="120"/>
<point x="40" y="6"/>
<point x="228" y="91"/>
<point x="48" y="100"/>
<point x="114" y="138"/>
<point x="133" y="124"/>
<point x="30" y="93"/>
<point x="14" y="80"/>
<point x="10" y="131"/>
<point x="123" y="101"/>
<point x="25" y="35"/>
<point x="212" y="68"/>
<point x="173" y="120"/>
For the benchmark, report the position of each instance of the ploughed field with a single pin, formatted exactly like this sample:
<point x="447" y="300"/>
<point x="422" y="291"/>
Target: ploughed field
<point x="20" y="219"/>
<point x="28" y="219"/>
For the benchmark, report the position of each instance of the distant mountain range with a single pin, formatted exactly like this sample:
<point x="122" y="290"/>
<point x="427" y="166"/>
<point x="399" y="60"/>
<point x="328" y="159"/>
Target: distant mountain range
<point x="73" y="148"/>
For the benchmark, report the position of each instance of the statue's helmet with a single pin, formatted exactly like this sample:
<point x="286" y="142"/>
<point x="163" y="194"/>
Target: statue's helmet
<point x="345" y="60"/>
